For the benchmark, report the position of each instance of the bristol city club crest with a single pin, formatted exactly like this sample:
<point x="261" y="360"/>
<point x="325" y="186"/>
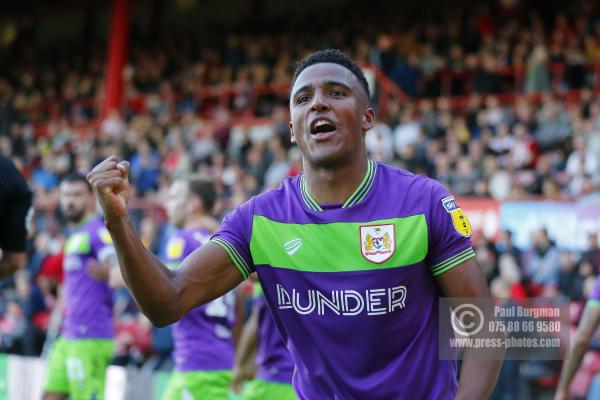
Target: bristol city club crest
<point x="378" y="242"/>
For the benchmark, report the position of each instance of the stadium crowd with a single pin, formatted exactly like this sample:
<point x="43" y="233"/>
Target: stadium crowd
<point x="547" y="145"/>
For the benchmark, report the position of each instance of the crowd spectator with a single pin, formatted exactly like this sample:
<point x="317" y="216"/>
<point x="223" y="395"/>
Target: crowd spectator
<point x="543" y="264"/>
<point x="592" y="254"/>
<point x="570" y="281"/>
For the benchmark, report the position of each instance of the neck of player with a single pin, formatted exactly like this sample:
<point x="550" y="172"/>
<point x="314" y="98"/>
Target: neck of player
<point x="335" y="185"/>
<point x="200" y="221"/>
<point x="85" y="218"/>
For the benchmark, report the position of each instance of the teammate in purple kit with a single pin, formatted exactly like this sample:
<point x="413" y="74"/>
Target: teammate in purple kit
<point x="581" y="343"/>
<point x="352" y="255"/>
<point x="260" y="338"/>
<point x="203" y="342"/>
<point x="78" y="360"/>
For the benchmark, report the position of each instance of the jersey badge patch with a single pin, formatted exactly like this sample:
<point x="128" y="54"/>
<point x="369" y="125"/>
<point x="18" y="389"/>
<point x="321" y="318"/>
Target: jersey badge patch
<point x="378" y="242"/>
<point x="459" y="219"/>
<point x="104" y="236"/>
<point x="175" y="248"/>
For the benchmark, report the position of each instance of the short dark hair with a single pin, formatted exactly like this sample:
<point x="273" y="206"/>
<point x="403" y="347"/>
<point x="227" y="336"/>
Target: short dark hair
<point x="73" y="177"/>
<point x="333" y="56"/>
<point x="204" y="188"/>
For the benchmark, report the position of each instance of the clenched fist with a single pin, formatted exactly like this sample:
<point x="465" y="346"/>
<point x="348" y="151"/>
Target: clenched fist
<point x="110" y="181"/>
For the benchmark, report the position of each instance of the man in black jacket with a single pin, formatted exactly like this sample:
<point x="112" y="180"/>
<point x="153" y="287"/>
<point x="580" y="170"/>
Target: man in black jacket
<point x="15" y="200"/>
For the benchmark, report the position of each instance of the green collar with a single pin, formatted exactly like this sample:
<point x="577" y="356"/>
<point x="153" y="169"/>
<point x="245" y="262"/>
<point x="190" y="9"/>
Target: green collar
<point x="359" y="194"/>
<point x="87" y="218"/>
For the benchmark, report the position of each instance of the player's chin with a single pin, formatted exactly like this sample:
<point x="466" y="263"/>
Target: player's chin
<point x="74" y="216"/>
<point x="327" y="158"/>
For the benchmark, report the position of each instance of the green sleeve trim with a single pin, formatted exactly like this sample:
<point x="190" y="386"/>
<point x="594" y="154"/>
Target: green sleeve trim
<point x="453" y="261"/>
<point x="593" y="303"/>
<point x="237" y="259"/>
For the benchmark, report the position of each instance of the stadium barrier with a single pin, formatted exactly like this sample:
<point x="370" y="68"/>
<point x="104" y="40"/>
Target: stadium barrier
<point x="568" y="222"/>
<point x="385" y="90"/>
<point x="22" y="378"/>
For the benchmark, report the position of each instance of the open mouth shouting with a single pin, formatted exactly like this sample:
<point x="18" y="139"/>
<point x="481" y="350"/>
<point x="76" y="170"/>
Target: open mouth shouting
<point x="322" y="129"/>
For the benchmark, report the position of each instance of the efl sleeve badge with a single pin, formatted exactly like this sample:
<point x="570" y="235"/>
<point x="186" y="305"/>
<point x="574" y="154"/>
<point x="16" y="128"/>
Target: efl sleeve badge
<point x="459" y="219"/>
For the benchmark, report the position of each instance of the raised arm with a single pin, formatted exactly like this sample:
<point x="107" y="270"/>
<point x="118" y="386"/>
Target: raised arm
<point x="477" y="377"/>
<point x="163" y="295"/>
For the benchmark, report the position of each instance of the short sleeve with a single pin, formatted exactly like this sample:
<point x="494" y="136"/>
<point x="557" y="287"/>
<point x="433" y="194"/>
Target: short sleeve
<point x="594" y="299"/>
<point x="234" y="237"/>
<point x="15" y="198"/>
<point x="449" y="231"/>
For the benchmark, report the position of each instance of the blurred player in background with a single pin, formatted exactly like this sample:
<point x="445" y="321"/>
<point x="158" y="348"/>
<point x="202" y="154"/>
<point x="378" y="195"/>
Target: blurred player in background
<point x="261" y="346"/>
<point x="15" y="201"/>
<point x="353" y="255"/>
<point x="580" y="343"/>
<point x="203" y="338"/>
<point x="79" y="358"/>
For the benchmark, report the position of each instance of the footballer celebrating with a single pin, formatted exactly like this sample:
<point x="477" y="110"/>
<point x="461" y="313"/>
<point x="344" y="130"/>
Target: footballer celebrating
<point x="352" y="255"/>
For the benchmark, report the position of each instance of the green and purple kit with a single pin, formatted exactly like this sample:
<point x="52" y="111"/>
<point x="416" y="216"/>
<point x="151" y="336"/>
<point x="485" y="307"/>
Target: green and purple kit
<point x="274" y="361"/>
<point x="88" y="301"/>
<point x="202" y="338"/>
<point x="352" y="286"/>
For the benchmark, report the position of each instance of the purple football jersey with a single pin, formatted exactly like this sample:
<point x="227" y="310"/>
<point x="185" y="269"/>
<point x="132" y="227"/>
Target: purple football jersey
<point x="88" y="301"/>
<point x="351" y="287"/>
<point x="595" y="295"/>
<point x="275" y="363"/>
<point x="202" y="338"/>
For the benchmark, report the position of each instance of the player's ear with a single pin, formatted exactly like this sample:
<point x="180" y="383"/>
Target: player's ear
<point x="292" y="137"/>
<point x="200" y="205"/>
<point x="368" y="119"/>
<point x="191" y="205"/>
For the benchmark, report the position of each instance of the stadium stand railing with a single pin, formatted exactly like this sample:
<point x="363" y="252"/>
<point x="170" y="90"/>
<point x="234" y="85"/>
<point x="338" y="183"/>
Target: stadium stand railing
<point x="207" y="99"/>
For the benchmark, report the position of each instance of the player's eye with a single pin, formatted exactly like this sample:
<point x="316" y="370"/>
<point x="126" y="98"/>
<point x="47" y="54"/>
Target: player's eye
<point x="337" y="93"/>
<point x="302" y="99"/>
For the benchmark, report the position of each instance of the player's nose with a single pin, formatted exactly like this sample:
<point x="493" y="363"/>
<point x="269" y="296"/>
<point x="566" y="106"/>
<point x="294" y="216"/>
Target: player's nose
<point x="319" y="101"/>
